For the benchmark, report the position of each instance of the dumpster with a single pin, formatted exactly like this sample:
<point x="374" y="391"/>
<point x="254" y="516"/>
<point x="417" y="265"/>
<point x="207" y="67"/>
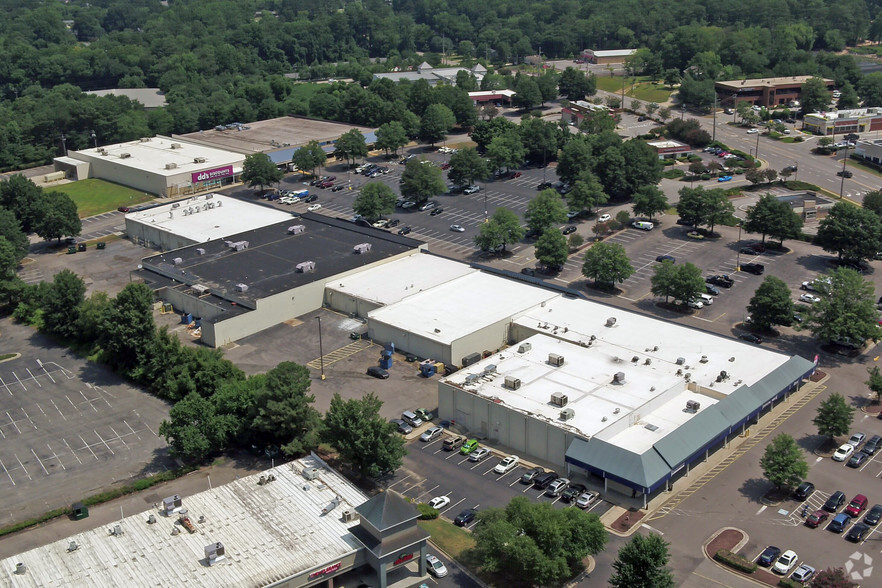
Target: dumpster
<point x="79" y="511"/>
<point x="386" y="359"/>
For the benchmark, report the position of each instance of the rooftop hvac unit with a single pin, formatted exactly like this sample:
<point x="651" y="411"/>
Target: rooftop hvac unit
<point x="332" y="505"/>
<point x="559" y="399"/>
<point x="102" y="151"/>
<point x="611" y="321"/>
<point x="198" y="160"/>
<point x="703" y="359"/>
<point x="176" y="205"/>
<point x="171" y="165"/>
<point x="214" y="553"/>
<point x="619" y="378"/>
<point x="200" y="251"/>
<point x="692" y="405"/>
<point x="177" y="261"/>
<point x="305" y="266"/>
<point x="175" y="145"/>
<point x="349" y="515"/>
<point x="237" y="245"/>
<point x="470" y="359"/>
<point x="567" y="414"/>
<point x="125" y="155"/>
<point x="361" y="248"/>
<point x="201" y="290"/>
<point x="525" y="347"/>
<point x="144" y="139"/>
<point x="186" y="212"/>
<point x="512" y="383"/>
<point x="241" y="287"/>
<point x="311" y="473"/>
<point x="172" y="504"/>
<point x="296" y="229"/>
<point x="681" y="360"/>
<point x="489" y="369"/>
<point x="555" y="359"/>
<point x="471" y="378"/>
<point x="20" y="569"/>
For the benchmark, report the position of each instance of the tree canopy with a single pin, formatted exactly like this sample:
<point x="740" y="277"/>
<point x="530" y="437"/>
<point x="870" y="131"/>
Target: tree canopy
<point x="783" y="462"/>
<point x="259" y="170"/>
<point x="773" y="217"/>
<point x="852" y="233"/>
<point x="607" y="263"/>
<point x="374" y="200"/>
<point x="834" y="416"/>
<point x="643" y="562"/>
<point x="846" y="310"/>
<point x="771" y="304"/>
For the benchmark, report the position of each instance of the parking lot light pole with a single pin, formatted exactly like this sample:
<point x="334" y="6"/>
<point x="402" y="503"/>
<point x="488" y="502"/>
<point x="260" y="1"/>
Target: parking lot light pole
<point x="321" y="350"/>
<point x="738" y="255"/>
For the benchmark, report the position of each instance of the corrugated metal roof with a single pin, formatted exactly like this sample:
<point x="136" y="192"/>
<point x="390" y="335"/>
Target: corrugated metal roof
<point x="781" y="378"/>
<point x="386" y="510"/>
<point x="645" y="469"/>
<point x="270" y="532"/>
<point x="676" y="447"/>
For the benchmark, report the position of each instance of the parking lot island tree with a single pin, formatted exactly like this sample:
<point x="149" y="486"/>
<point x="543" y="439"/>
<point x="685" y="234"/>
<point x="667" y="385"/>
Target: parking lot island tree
<point x="874" y="382"/>
<point x="541" y="139"/>
<point x="309" y="157"/>
<point x="350" y="146"/>
<point x="852" y="233"/>
<point x="586" y="193"/>
<point x="391" y="137"/>
<point x="643" y="561"/>
<point x="545" y="210"/>
<point x="420" y="181"/>
<point x="374" y="200"/>
<point x="575" y="85"/>
<point x="466" y="166"/>
<point x="607" y="264"/>
<point x="551" y="250"/>
<point x="62" y="302"/>
<point x="575" y="157"/>
<point x="833" y="417"/>
<point x="366" y="441"/>
<point x="506" y="151"/>
<point x="436" y="123"/>
<point x="832" y="578"/>
<point x="682" y="282"/>
<point x="649" y="201"/>
<point x="771" y="304"/>
<point x="283" y="413"/>
<point x="259" y="170"/>
<point x="783" y="462"/>
<point x="773" y="217"/>
<point x="846" y="311"/>
<point x="486" y="130"/>
<point x="502" y="228"/>
<point x="534" y="543"/>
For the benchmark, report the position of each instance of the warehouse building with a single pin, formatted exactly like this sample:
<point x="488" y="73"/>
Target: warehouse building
<point x="156" y="165"/>
<point x="624" y="399"/>
<point x="197" y="219"/>
<point x="607" y="57"/>
<point x="298" y="524"/>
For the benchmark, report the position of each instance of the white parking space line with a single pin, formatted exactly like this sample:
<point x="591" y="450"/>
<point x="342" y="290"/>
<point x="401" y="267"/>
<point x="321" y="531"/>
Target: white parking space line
<point x="55" y="455"/>
<point x="43" y="411"/>
<point x="19" y="382"/>
<point x="399" y="481"/>
<point x="28" y="418"/>
<point x="34" y="377"/>
<point x="458" y="502"/>
<point x="72" y="452"/>
<point x="89" y="402"/>
<point x="135" y="433"/>
<point x="86" y="445"/>
<point x="7" y="387"/>
<point x="23" y="467"/>
<point x="103" y="441"/>
<point x="13" y="423"/>
<point x="40" y="461"/>
<point x="58" y="409"/>
<point x="7" y="472"/>
<point x="426" y="492"/>
<point x="105" y="392"/>
<point x="120" y="438"/>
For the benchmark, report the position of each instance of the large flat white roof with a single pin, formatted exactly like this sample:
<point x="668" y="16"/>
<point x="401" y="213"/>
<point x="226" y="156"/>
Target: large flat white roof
<point x="461" y="306"/>
<point x="195" y="218"/>
<point x="270" y="532"/>
<point x="393" y="282"/>
<point x="163" y="156"/>
<point x="646" y="351"/>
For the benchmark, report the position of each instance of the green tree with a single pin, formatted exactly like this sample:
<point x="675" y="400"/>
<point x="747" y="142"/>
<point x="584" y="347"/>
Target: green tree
<point x="374" y="200"/>
<point x="259" y="170"/>
<point x="502" y="228"/>
<point x="436" y="123"/>
<point x="832" y="578"/>
<point x="391" y="136"/>
<point x="815" y="95"/>
<point x="10" y="228"/>
<point x="846" y="310"/>
<point x="283" y="411"/>
<point x="506" y="151"/>
<point x="575" y="157"/>
<point x="874" y="382"/>
<point x="834" y="416"/>
<point x="771" y="304"/>
<point x="783" y="463"/>
<point x="698" y="93"/>
<point x="90" y="315"/>
<point x="545" y="210"/>
<point x="62" y="304"/>
<point x="351" y="145"/>
<point x="466" y="166"/>
<point x="527" y="94"/>
<point x="8" y="260"/>
<point x="309" y="157"/>
<point x="547" y="84"/>
<point x="853" y="233"/>
<point x="420" y="181"/>
<point x="872" y="201"/>
<point x="58" y="217"/>
<point x="598" y="121"/>
<point x="540" y="139"/>
<point x="681" y="282"/>
<point x="575" y="85"/>
<point x="770" y="216"/>
<point x="848" y="97"/>
<point x="643" y="563"/>
<point x="534" y="543"/>
<point x="128" y="328"/>
<point x="366" y="441"/>
<point x="649" y="201"/>
<point x="586" y="193"/>
<point x="194" y="430"/>
<point x="22" y="197"/>
<point x="607" y="263"/>
<point x="551" y="249"/>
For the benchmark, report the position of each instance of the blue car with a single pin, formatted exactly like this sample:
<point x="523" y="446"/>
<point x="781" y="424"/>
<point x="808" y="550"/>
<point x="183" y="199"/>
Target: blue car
<point x="839" y="523"/>
<point x="724" y="178"/>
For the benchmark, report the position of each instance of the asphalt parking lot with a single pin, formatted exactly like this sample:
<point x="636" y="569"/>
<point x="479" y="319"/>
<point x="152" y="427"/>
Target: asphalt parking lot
<point x="68" y="428"/>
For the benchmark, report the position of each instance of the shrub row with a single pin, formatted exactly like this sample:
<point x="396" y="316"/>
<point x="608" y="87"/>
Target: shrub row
<point x="788" y="583"/>
<point x="427" y="513"/>
<point x="733" y="560"/>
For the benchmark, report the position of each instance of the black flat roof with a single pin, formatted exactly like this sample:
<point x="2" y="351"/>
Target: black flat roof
<point x="268" y="264"/>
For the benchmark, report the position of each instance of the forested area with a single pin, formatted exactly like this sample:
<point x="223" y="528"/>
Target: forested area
<point x="219" y="61"/>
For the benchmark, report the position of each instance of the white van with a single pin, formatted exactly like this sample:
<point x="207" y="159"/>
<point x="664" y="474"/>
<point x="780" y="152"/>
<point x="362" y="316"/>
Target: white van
<point x="642" y="225"/>
<point x="706" y="298"/>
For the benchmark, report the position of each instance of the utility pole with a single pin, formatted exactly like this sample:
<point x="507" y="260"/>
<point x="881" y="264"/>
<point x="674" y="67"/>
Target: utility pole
<point x="714" y="138"/>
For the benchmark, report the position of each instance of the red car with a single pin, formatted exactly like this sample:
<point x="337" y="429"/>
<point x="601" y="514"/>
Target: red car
<point x="816" y="519"/>
<point x="515" y="174"/>
<point x="326" y="184"/>
<point x="445" y="166"/>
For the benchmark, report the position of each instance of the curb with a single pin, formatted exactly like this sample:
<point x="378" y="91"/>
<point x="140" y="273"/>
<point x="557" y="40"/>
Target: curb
<point x="745" y="538"/>
<point x="455" y="562"/>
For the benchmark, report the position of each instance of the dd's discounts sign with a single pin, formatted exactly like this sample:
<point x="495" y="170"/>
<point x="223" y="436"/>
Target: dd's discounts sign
<point x="212" y="174"/>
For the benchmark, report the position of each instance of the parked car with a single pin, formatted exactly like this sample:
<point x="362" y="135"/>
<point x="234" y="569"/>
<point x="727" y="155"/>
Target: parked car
<point x="337" y="188"/>
<point x="439" y="502"/>
<point x="749" y="251"/>
<point x="816" y="519"/>
<point x="786" y="562"/>
<point x="839" y="523"/>
<point x="753" y="268"/>
<point x="663" y="258"/>
<point x="603" y="218"/>
<point x="436" y="212"/>
<point x="803" y="573"/>
<point x="568" y="229"/>
<point x="803" y="491"/>
<point x="711" y="290"/>
<point x="468" y="447"/>
<point x="809" y="298"/>
<point x="543" y="480"/>
<point x="313" y="207"/>
<point x="720" y="280"/>
<point x="457" y="228"/>
<point x="425" y="414"/>
<point x="404" y="230"/>
<point x="874" y="515"/>
<point x="403" y="427"/>
<point x="471" y="189"/>
<point x="431" y="434"/>
<point x="572" y="492"/>
<point x="857" y="459"/>
<point x="530" y="475"/>
<point x="585" y="499"/>
<point x="836" y="500"/>
<point x="377" y="372"/>
<point x="507" y="464"/>
<point x="479" y="454"/>
<point x="428" y="206"/>
<point x="858" y="533"/>
<point x="453" y="443"/>
<point x="465" y="517"/>
<point x="856" y="439"/>
<point x="751" y="338"/>
<point x="769" y="556"/>
<point x="856" y="506"/>
<point x="557" y="486"/>
<point x="435" y="566"/>
<point x="843" y="453"/>
<point x="642" y="225"/>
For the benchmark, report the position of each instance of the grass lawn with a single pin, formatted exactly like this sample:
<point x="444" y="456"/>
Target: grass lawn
<point x="450" y="538"/>
<point x="94" y="196"/>
<point x="609" y="84"/>
<point x="649" y="92"/>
